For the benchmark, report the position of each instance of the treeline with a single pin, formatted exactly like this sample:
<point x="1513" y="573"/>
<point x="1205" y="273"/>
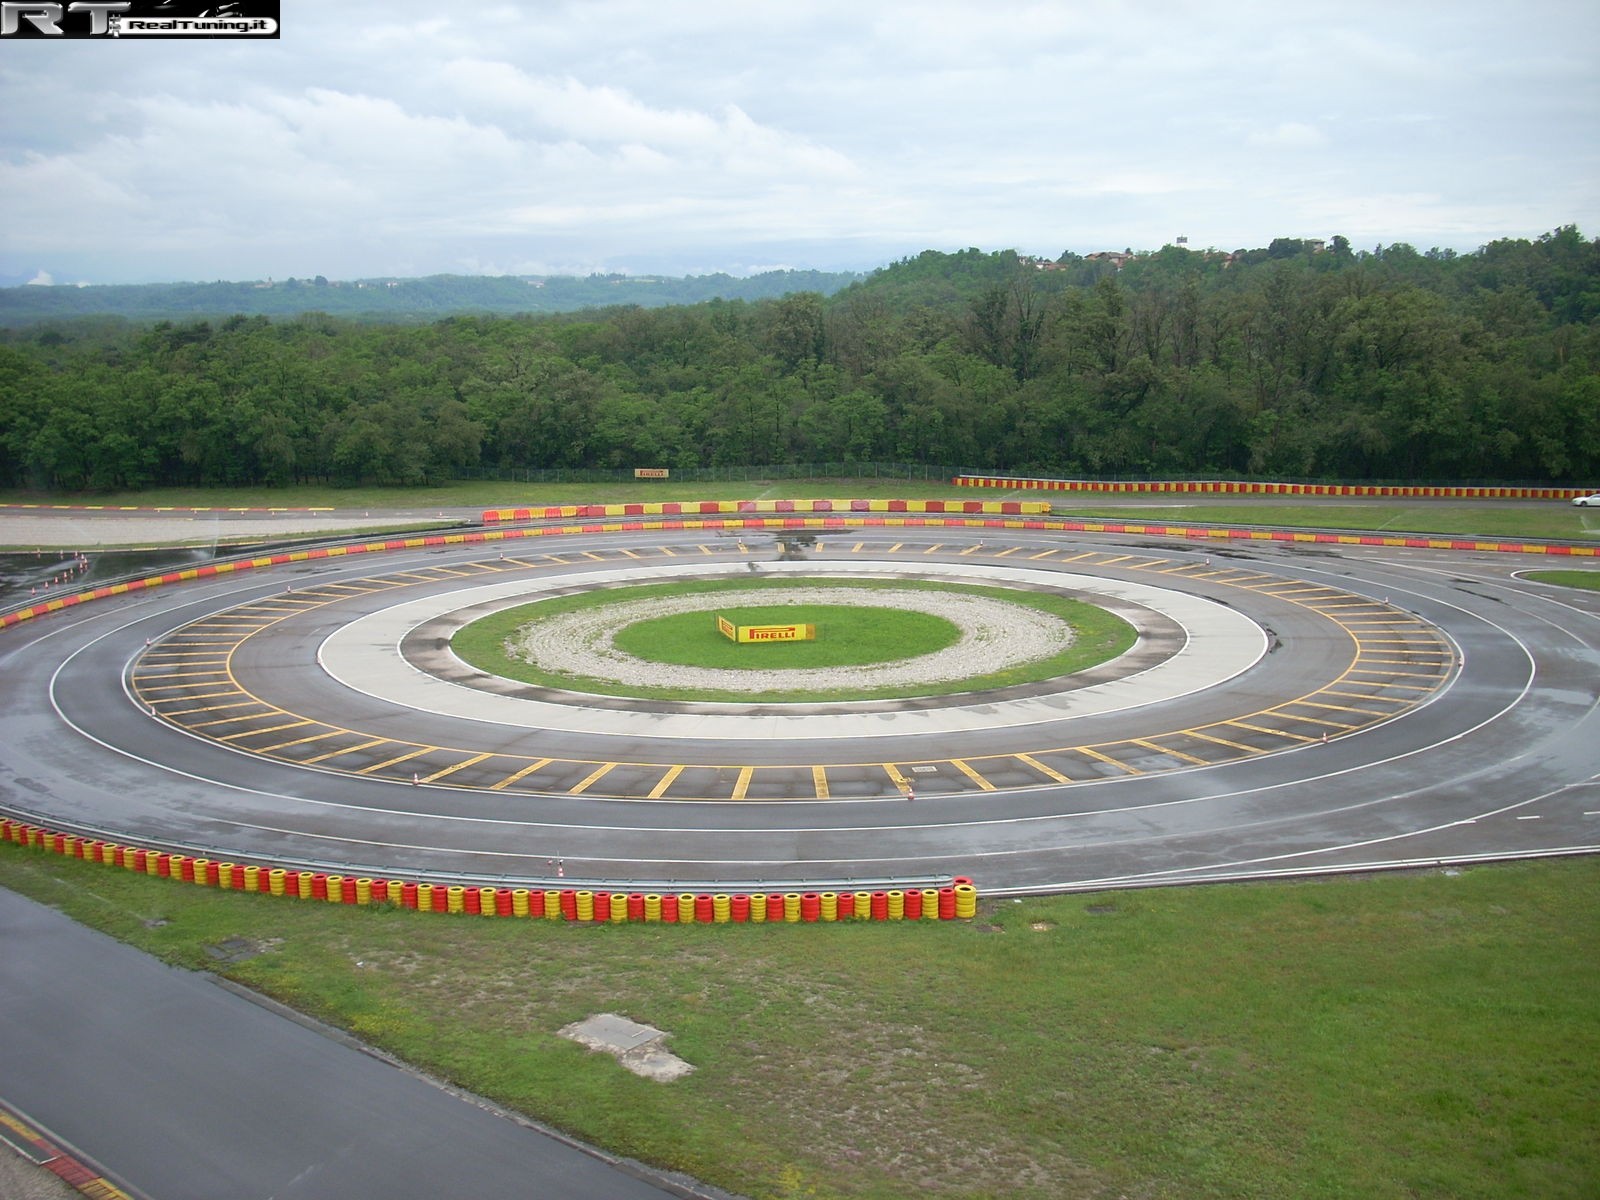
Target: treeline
<point x="1293" y="361"/>
<point x="406" y="300"/>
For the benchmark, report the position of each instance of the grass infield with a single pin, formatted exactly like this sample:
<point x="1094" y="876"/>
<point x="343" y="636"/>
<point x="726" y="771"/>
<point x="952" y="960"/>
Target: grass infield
<point x="877" y="634"/>
<point x="1588" y="580"/>
<point x="1434" y="1033"/>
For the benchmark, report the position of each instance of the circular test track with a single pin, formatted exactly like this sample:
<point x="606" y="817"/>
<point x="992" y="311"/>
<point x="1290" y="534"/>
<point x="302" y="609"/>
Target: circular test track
<point x="1289" y="710"/>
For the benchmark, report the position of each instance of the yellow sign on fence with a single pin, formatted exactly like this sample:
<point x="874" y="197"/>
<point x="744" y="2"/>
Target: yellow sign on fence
<point x="765" y="633"/>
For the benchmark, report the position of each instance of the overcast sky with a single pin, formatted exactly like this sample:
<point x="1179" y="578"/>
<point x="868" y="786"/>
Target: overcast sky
<point x="691" y="136"/>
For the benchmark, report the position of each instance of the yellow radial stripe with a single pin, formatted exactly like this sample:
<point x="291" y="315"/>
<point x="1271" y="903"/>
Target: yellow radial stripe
<point x="244" y="733"/>
<point x="522" y="774"/>
<point x="184" y="712"/>
<point x="1389" y="671"/>
<point x="819" y="782"/>
<point x="967" y="770"/>
<point x="972" y="549"/>
<point x="1041" y="768"/>
<point x="1008" y="551"/>
<point x="899" y="780"/>
<point x="464" y="763"/>
<point x="315" y="737"/>
<point x="1371" y="712"/>
<point x="593" y="778"/>
<point x="1284" y="733"/>
<point x="1041" y="554"/>
<point x="937" y="546"/>
<point x="397" y="759"/>
<point x="1106" y="758"/>
<point x="264" y="710"/>
<point x="741" y="786"/>
<point x="1168" y="750"/>
<point x="665" y="782"/>
<point x="1224" y="742"/>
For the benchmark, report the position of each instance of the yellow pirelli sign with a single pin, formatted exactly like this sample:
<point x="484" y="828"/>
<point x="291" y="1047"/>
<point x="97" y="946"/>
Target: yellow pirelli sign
<point x="765" y="633"/>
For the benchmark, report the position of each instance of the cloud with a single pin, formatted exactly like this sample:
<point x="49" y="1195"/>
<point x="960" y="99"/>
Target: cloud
<point x="1288" y="135"/>
<point x="396" y="137"/>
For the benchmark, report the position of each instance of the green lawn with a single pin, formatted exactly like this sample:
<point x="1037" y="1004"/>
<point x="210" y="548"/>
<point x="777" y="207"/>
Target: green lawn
<point x="1099" y="636"/>
<point x="1524" y="519"/>
<point x="1530" y="518"/>
<point x="1589" y="580"/>
<point x="846" y="637"/>
<point x="1429" y="1034"/>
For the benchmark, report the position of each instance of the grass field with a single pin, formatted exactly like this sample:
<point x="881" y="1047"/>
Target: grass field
<point x="1588" y="580"/>
<point x="846" y="637"/>
<point x="1432" y="1034"/>
<point x="1099" y="636"/>
<point x="1504" y="519"/>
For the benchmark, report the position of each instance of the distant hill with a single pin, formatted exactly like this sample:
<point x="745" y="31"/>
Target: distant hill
<point x="401" y="300"/>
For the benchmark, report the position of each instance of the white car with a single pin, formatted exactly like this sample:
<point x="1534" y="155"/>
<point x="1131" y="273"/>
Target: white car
<point x="1587" y="501"/>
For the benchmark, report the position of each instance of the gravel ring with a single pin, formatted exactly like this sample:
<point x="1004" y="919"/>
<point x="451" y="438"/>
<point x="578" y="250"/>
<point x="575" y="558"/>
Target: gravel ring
<point x="995" y="635"/>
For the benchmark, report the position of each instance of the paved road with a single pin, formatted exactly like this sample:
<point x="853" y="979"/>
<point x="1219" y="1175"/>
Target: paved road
<point x="181" y="1088"/>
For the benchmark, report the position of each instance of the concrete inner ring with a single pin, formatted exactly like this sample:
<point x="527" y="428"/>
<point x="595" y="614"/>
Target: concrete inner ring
<point x="400" y="654"/>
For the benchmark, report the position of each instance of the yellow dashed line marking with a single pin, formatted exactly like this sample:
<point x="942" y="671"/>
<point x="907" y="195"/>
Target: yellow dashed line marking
<point x="244" y="733"/>
<point x="466" y="762"/>
<point x="1341" y="707"/>
<point x="742" y="785"/>
<point x="1041" y="768"/>
<point x="1298" y="737"/>
<point x="1148" y="745"/>
<point x="400" y="758"/>
<point x="526" y="771"/>
<point x="184" y="712"/>
<point x="1105" y="758"/>
<point x="899" y="780"/>
<point x="665" y="782"/>
<point x="819" y="781"/>
<point x="594" y="777"/>
<point x="1224" y="742"/>
<point x="315" y="737"/>
<point x="966" y="770"/>
<point x="1041" y="554"/>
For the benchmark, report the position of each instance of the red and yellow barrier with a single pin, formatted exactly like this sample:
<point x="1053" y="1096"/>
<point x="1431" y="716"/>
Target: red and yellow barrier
<point x="1231" y="487"/>
<point x="712" y="508"/>
<point x="935" y="514"/>
<point x="582" y="906"/>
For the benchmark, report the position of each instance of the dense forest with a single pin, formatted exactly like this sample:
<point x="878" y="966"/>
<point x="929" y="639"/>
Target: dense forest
<point x="412" y="300"/>
<point x="1299" y="360"/>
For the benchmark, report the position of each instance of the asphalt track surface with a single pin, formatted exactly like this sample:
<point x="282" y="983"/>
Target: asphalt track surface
<point x="1411" y="707"/>
<point x="1402" y="707"/>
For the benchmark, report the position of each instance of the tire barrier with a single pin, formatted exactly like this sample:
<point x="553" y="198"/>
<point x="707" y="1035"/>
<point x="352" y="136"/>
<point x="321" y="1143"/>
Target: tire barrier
<point x="1243" y="487"/>
<point x="954" y="513"/>
<point x="958" y="901"/>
